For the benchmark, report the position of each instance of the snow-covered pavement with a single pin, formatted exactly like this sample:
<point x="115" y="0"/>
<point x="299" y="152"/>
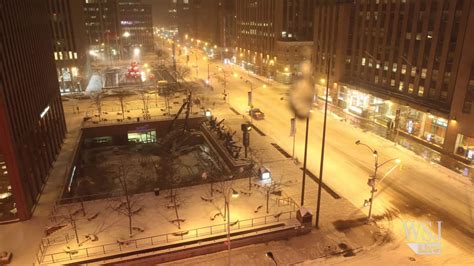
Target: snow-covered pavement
<point x="418" y="190"/>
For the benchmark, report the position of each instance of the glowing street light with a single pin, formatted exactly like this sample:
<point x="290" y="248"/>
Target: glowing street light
<point x="126" y="34"/>
<point x="373" y="178"/>
<point x="136" y="51"/>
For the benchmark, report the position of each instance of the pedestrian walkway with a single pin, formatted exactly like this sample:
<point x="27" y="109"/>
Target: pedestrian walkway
<point x="409" y="143"/>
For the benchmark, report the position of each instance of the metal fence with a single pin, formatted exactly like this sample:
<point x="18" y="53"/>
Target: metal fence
<point x="43" y="257"/>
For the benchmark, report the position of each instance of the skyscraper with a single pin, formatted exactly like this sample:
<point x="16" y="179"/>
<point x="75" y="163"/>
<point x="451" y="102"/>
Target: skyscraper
<point x="69" y="42"/>
<point x="274" y="36"/>
<point x="136" y="24"/>
<point x="32" y="125"/>
<point x="102" y="26"/>
<point x="405" y="63"/>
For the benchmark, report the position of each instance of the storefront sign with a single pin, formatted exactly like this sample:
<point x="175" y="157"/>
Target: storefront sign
<point x="441" y="122"/>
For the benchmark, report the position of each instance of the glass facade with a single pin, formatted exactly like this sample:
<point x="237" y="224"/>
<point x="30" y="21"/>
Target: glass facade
<point x="465" y="147"/>
<point x="422" y="125"/>
<point x="142" y="136"/>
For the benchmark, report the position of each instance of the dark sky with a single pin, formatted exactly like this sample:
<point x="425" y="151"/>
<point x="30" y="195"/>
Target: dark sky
<point x="160" y="11"/>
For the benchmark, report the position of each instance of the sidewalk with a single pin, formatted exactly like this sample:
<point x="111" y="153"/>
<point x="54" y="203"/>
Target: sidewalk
<point x="342" y="232"/>
<point x="23" y="238"/>
<point x="409" y="143"/>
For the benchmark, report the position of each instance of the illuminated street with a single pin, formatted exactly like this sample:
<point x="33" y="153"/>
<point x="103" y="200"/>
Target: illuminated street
<point x="237" y="132"/>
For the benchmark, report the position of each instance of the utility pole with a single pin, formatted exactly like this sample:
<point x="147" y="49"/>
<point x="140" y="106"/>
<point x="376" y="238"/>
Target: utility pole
<point x="321" y="167"/>
<point x="304" y="160"/>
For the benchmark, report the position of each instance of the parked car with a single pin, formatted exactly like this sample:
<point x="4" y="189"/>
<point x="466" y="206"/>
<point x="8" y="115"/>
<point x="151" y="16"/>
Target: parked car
<point x="257" y="114"/>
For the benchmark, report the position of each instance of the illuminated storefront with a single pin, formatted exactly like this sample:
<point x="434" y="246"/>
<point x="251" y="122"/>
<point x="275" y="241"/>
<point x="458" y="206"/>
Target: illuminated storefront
<point x="419" y="124"/>
<point x="145" y="136"/>
<point x="465" y="147"/>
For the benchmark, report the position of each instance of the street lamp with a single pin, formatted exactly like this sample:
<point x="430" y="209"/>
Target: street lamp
<point x="231" y="193"/>
<point x="136" y="51"/>
<point x="371" y="181"/>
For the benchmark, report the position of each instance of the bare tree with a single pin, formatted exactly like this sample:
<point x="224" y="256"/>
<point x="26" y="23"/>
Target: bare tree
<point x="145" y="98"/>
<point x="182" y="72"/>
<point x="174" y="203"/>
<point x="162" y="55"/>
<point x="97" y="99"/>
<point x="121" y="95"/>
<point x="70" y="219"/>
<point x="128" y="204"/>
<point x="272" y="188"/>
<point x="83" y="189"/>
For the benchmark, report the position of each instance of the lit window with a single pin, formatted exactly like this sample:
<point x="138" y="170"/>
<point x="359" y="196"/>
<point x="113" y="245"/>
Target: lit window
<point x="70" y="55"/>
<point x="363" y="61"/>
<point x="404" y="69"/>
<point x="421" y="91"/>
<point x="55" y="55"/>
<point x="410" y="88"/>
<point x="400" y="86"/>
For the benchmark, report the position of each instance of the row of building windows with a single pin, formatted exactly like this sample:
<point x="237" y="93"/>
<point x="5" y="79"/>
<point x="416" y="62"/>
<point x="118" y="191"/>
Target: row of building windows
<point x="65" y="55"/>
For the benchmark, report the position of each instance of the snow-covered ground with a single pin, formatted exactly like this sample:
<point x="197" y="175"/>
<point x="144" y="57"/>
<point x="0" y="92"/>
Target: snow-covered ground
<point x="155" y="218"/>
<point x="418" y="190"/>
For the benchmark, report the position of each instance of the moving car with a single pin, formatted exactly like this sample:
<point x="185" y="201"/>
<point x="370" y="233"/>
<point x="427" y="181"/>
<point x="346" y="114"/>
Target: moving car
<point x="257" y="114"/>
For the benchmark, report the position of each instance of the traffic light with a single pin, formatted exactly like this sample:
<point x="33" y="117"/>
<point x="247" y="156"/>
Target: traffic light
<point x="246" y="139"/>
<point x="246" y="127"/>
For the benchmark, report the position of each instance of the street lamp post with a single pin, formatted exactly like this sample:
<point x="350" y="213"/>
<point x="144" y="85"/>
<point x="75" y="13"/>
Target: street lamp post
<point x="373" y="178"/>
<point x="235" y="194"/>
<point x="321" y="167"/>
<point x="250" y="100"/>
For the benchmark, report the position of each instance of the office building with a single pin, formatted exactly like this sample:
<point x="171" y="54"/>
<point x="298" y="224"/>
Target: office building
<point x="404" y="64"/>
<point x="103" y="26"/>
<point x="136" y="25"/>
<point x="274" y="36"/>
<point x="212" y="22"/>
<point x="69" y="43"/>
<point x="32" y="126"/>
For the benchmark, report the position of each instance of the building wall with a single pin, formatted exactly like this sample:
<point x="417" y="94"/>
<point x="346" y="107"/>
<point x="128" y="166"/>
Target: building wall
<point x="290" y="56"/>
<point x="69" y="42"/>
<point x="32" y="125"/>
<point x="136" y="19"/>
<point x="102" y="22"/>
<point x="462" y="111"/>
<point x="331" y="38"/>
<point x="210" y="21"/>
<point x="405" y="52"/>
<point x="260" y="24"/>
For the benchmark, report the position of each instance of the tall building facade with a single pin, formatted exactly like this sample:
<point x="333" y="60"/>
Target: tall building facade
<point x="136" y="25"/>
<point x="212" y="22"/>
<point x="273" y="36"/>
<point x="69" y="43"/>
<point x="407" y="64"/>
<point x="103" y="26"/>
<point x="32" y="126"/>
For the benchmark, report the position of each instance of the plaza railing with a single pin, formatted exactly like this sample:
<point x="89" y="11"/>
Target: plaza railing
<point x="43" y="257"/>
